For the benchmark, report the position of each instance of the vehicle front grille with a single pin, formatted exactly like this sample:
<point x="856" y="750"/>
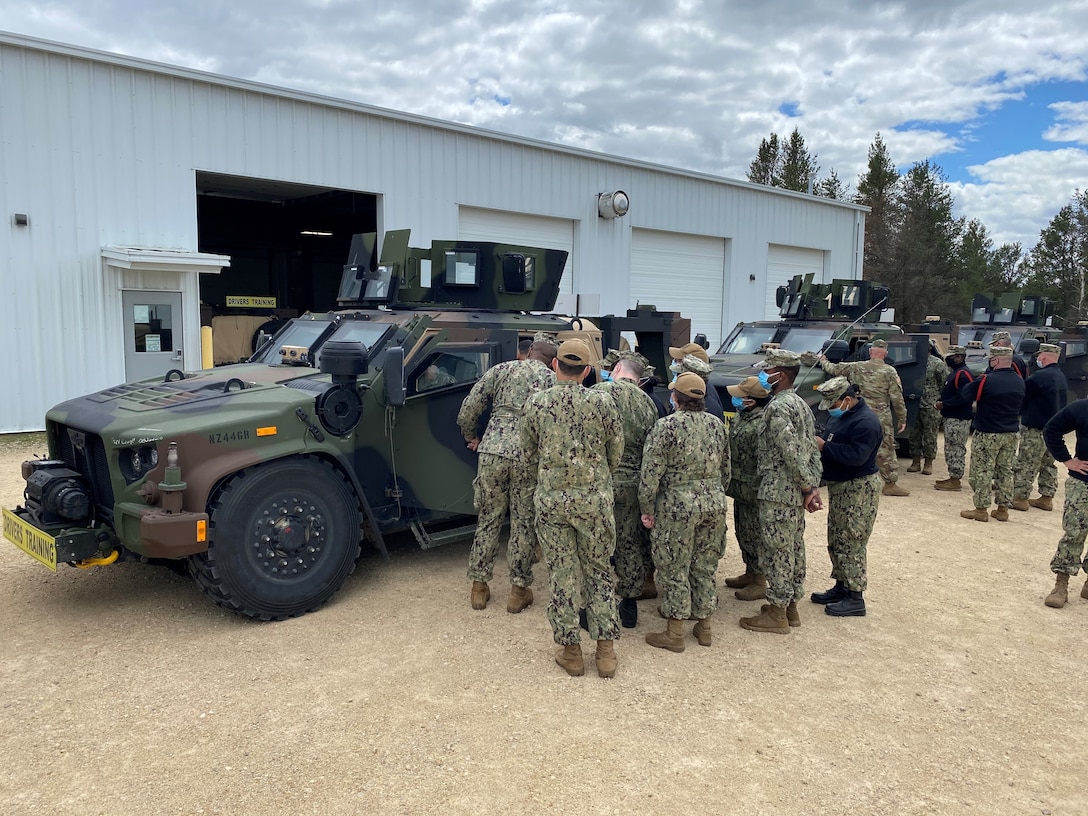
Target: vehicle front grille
<point x="84" y="453"/>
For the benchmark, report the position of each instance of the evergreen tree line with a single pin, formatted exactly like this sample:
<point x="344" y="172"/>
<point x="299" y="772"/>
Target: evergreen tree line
<point x="934" y="262"/>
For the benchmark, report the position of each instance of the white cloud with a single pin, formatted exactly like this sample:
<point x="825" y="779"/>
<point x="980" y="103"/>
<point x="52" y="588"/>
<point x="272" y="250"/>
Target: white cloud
<point x="1072" y="124"/>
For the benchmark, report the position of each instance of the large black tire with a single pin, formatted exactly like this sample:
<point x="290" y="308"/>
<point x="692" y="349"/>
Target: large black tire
<point x="282" y="539"/>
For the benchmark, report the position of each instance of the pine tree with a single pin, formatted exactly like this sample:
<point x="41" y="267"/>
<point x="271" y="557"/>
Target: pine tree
<point x="878" y="189"/>
<point x="799" y="168"/>
<point x="767" y="165"/>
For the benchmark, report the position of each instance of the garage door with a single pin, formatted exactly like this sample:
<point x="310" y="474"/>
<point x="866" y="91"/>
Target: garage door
<point x="680" y="273"/>
<point x="475" y="224"/>
<point x="783" y="262"/>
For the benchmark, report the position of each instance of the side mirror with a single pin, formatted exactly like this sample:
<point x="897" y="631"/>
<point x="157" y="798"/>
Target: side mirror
<point x="393" y="376"/>
<point x="700" y="340"/>
<point x="836" y="350"/>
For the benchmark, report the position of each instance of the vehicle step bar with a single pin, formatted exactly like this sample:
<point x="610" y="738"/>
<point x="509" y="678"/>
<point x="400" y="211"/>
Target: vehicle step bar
<point x="427" y="540"/>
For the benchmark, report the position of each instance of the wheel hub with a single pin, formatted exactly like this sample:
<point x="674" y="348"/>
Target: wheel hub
<point x="290" y="537"/>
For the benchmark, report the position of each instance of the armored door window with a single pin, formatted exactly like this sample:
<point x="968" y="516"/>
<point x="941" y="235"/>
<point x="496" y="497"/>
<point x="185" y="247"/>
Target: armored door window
<point x="449" y="367"/>
<point x="901" y="355"/>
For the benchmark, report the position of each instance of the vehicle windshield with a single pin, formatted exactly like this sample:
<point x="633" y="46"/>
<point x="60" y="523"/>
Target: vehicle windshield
<point x="805" y="339"/>
<point x="357" y="331"/>
<point x="747" y="340"/>
<point x="967" y="335"/>
<point x="296" y="333"/>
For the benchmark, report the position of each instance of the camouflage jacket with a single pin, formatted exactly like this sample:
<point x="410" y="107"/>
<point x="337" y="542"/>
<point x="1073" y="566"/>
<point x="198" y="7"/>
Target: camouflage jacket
<point x="789" y="460"/>
<point x="745" y="428"/>
<point x="936" y="374"/>
<point x="638" y="414"/>
<point x="878" y="381"/>
<point x="573" y="438"/>
<point x="685" y="465"/>
<point x="504" y="388"/>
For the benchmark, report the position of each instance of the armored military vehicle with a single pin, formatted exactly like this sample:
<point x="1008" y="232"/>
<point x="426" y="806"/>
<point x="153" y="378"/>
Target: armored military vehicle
<point x="840" y="318"/>
<point x="266" y="476"/>
<point x="1025" y="317"/>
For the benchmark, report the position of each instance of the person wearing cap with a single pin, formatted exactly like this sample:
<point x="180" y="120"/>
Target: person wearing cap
<point x="789" y="478"/>
<point x="637" y="415"/>
<point x="997" y="395"/>
<point x="697" y="363"/>
<point x="879" y="383"/>
<point x="1003" y="339"/>
<point x="502" y="482"/>
<point x="923" y="436"/>
<point x="956" y="413"/>
<point x="1070" y="556"/>
<point x="685" y="468"/>
<point x="749" y="398"/>
<point x="1045" y="393"/>
<point x="573" y="440"/>
<point x="848" y="449"/>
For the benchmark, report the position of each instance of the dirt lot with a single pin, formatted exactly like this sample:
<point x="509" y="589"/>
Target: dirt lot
<point x="124" y="691"/>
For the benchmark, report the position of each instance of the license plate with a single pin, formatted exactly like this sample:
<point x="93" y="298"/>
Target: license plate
<point x="30" y="539"/>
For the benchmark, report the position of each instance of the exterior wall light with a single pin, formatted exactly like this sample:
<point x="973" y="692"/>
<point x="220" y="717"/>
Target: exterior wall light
<point x="613" y="205"/>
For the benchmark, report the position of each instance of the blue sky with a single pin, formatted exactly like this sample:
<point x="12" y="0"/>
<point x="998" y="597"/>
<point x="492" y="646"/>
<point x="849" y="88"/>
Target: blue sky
<point x="995" y="92"/>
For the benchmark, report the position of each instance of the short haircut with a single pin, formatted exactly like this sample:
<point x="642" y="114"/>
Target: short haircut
<point x="542" y="351"/>
<point x="524" y="346"/>
<point x="631" y="366"/>
<point x="686" y="403"/>
<point x="569" y="370"/>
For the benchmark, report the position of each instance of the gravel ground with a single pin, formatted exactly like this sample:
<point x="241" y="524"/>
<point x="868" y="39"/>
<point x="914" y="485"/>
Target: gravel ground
<point x="124" y="691"/>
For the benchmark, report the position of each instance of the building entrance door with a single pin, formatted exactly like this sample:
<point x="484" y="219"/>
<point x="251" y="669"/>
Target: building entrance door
<point x="153" y="333"/>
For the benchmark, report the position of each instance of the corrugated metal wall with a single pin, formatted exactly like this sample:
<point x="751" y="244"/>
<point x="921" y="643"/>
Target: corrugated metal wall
<point x="102" y="150"/>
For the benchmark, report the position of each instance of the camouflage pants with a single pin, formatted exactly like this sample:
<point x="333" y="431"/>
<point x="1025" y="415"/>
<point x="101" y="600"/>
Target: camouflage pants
<point x="886" y="459"/>
<point x="850" y="518"/>
<point x="502" y="484"/>
<point x="992" y="455"/>
<point x="632" y="539"/>
<point x="784" y="562"/>
<point x="687" y="548"/>
<point x="1070" y="555"/>
<point x="749" y="533"/>
<point x="1034" y="459"/>
<point x="923" y="436"/>
<point x="578" y="535"/>
<point x="956" y="433"/>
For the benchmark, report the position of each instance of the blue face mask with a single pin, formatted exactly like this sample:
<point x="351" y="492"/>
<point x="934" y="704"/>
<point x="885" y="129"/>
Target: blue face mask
<point x="738" y="403"/>
<point x="606" y="376"/>
<point x="764" y="380"/>
<point x="836" y="412"/>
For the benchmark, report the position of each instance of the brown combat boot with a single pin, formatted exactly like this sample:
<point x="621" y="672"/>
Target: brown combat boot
<point x="927" y="468"/>
<point x="948" y="484"/>
<point x="1060" y="594"/>
<point x="793" y="617"/>
<point x="1000" y="513"/>
<point x="1020" y="504"/>
<point x="701" y="630"/>
<point x="977" y="513"/>
<point x="1043" y="502"/>
<point x="606" y="659"/>
<point x="672" y="638"/>
<point x="893" y="489"/>
<point x="481" y="594"/>
<point x="770" y="619"/>
<point x="649" y="588"/>
<point x="916" y="465"/>
<point x="741" y="581"/>
<point x="755" y="591"/>
<point x="570" y="659"/>
<point x="519" y="599"/>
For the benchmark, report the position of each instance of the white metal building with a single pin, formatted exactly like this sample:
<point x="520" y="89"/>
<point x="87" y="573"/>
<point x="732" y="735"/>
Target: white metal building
<point x="133" y="191"/>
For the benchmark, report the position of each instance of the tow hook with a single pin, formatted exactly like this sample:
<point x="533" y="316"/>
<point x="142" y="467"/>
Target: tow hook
<point x="102" y="561"/>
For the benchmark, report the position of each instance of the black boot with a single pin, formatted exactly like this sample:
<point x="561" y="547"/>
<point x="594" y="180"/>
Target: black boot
<point x="583" y="621"/>
<point x="836" y="593"/>
<point x="853" y="605"/>
<point x="628" y="609"/>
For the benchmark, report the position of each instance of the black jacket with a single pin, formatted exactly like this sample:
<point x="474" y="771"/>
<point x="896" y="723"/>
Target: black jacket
<point x="953" y="406"/>
<point x="997" y="394"/>
<point x="851" y="444"/>
<point x="1045" y="393"/>
<point x="1073" y="417"/>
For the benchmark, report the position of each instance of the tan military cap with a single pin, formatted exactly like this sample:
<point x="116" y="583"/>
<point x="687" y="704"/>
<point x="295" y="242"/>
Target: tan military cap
<point x="689" y="384"/>
<point x="1049" y="348"/>
<point x="878" y="343"/>
<point x="780" y="357"/>
<point x="694" y="349"/>
<point x="1000" y="351"/>
<point x="1001" y="335"/>
<point x="957" y="350"/>
<point x="574" y="352"/>
<point x="832" y="391"/>
<point x="748" y="387"/>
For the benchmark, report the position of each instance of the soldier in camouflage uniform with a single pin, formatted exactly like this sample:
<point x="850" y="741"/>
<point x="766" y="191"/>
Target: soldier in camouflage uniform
<point x="685" y="468"/>
<point x="1045" y="393"/>
<point x="1070" y="556"/>
<point x="883" y="391"/>
<point x="789" y="475"/>
<point x="638" y="414"/>
<point x="501" y="481"/>
<point x="745" y="428"/>
<point x="573" y="439"/>
<point x="997" y="396"/>
<point x="923" y="436"/>
<point x="957" y="413"/>
<point x="848" y="450"/>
